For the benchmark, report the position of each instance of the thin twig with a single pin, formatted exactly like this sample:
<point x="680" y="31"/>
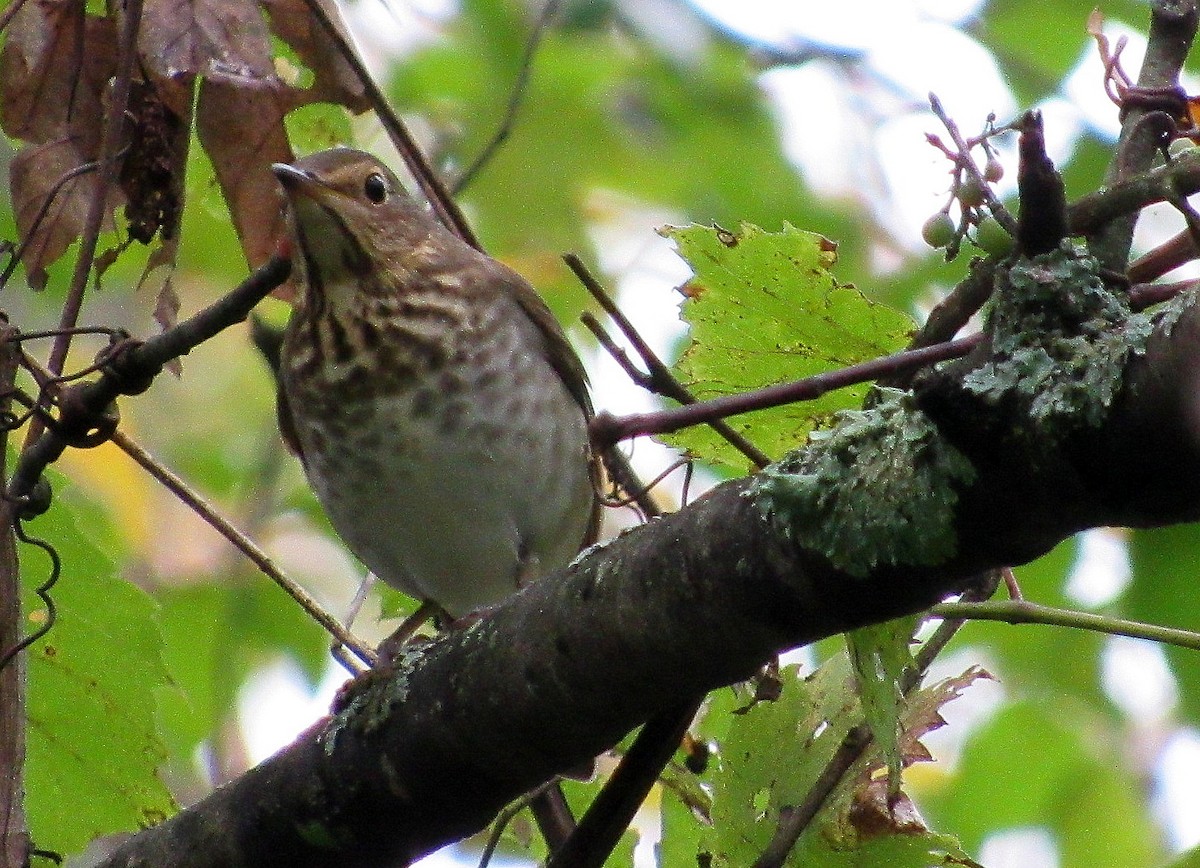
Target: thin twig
<point x="607" y="428"/>
<point x="67" y="176"/>
<point x="515" y="97"/>
<point x="659" y="378"/>
<point x="967" y="164"/>
<point x="131" y="369"/>
<point x="859" y="738"/>
<point x="794" y="821"/>
<point x="240" y="541"/>
<point x="431" y="184"/>
<point x="1172" y="30"/>
<point x="1025" y="612"/>
<point x="611" y="812"/>
<point x="109" y="148"/>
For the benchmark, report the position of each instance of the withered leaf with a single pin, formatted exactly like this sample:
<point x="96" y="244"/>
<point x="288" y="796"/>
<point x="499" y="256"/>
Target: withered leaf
<point x="221" y="40"/>
<point x="51" y="81"/>
<point x="54" y="66"/>
<point x="242" y="132"/>
<point x="34" y="174"/>
<point x="333" y="78"/>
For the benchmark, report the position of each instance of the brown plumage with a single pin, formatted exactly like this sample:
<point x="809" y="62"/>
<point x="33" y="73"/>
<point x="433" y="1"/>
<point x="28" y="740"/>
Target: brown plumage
<point x="439" y="411"/>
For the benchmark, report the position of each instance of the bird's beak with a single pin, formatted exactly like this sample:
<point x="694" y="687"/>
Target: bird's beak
<point x="297" y="181"/>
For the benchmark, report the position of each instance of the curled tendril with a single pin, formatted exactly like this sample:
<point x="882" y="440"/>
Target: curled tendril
<point x="43" y="591"/>
<point x="631" y="498"/>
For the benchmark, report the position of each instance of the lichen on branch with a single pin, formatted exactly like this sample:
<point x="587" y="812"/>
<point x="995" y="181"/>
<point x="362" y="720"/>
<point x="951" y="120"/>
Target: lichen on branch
<point x="877" y="489"/>
<point x="1061" y="338"/>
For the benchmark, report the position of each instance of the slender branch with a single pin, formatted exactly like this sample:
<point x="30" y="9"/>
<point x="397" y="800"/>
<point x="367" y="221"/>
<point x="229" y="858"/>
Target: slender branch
<point x="515" y="98"/>
<point x="240" y="541"/>
<point x="859" y="738"/>
<point x="607" y="428"/>
<point x="610" y="814"/>
<point x="1172" y="30"/>
<point x="658" y="378"/>
<point x="85" y="409"/>
<point x="966" y="164"/>
<point x="14" y="836"/>
<point x="431" y="184"/>
<point x="110" y="146"/>
<point x="1090" y="213"/>
<point x="43" y="210"/>
<point x="793" y="822"/>
<point x="1025" y="612"/>
<point x="953" y="312"/>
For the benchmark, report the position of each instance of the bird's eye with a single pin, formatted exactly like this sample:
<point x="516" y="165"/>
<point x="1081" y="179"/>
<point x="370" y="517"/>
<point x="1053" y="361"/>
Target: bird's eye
<point x="375" y="187"/>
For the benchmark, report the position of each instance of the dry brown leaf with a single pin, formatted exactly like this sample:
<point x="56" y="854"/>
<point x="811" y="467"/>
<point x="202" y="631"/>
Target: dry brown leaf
<point x="33" y="175"/>
<point x="242" y="132"/>
<point x="50" y="84"/>
<point x="333" y="78"/>
<point x="923" y="714"/>
<point x="218" y="40"/>
<point x="873" y="814"/>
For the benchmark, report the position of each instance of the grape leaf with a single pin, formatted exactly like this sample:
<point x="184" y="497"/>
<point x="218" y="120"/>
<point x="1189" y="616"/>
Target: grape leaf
<point x="765" y="308"/>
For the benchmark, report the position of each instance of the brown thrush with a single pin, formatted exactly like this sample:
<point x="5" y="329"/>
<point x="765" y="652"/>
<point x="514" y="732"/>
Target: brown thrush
<point x="439" y="412"/>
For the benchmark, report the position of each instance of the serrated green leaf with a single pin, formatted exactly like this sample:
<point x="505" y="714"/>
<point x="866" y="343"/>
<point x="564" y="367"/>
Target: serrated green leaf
<point x="93" y="748"/>
<point x="880" y="654"/>
<point x="765" y="308"/>
<point x="804" y="728"/>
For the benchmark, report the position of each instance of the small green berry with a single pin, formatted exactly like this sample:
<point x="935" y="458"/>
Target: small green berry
<point x="993" y="171"/>
<point x="939" y="230"/>
<point x="970" y="192"/>
<point x="991" y="238"/>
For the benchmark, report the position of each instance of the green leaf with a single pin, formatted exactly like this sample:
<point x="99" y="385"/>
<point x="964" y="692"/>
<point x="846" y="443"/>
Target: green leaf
<point x="880" y="654"/>
<point x="93" y="748"/>
<point x="754" y="787"/>
<point x="765" y="308"/>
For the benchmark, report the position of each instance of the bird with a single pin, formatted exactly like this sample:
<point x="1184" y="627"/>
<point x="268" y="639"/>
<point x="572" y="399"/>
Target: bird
<point x="435" y="403"/>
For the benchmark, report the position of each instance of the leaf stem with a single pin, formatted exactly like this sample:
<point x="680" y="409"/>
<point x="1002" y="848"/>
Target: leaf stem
<point x="1025" y="612"/>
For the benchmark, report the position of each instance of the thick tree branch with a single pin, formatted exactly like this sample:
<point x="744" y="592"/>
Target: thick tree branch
<point x="429" y="751"/>
<point x="1172" y="30"/>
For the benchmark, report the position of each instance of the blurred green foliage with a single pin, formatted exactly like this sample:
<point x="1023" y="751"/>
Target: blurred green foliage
<point x="609" y="120"/>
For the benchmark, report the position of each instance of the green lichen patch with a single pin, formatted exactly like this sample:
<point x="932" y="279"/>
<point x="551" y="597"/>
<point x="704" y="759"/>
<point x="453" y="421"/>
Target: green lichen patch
<point x="1061" y="339"/>
<point x="879" y="488"/>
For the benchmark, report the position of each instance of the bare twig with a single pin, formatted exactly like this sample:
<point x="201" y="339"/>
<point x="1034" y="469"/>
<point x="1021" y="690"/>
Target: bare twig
<point x="240" y="541"/>
<point x="1172" y="30"/>
<point x="431" y="184"/>
<point x="965" y="163"/>
<point x="607" y="428"/>
<point x="110" y="146"/>
<point x="1022" y="611"/>
<point x="794" y="821"/>
<point x="859" y="738"/>
<point x="515" y="97"/>
<point x="610" y="814"/>
<point x="14" y="835"/>
<point x="7" y="273"/>
<point x="658" y="378"/>
<point x="130" y="370"/>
